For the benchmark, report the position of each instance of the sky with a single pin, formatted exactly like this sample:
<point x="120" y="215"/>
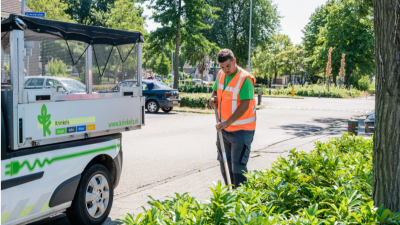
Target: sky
<point x="295" y="13"/>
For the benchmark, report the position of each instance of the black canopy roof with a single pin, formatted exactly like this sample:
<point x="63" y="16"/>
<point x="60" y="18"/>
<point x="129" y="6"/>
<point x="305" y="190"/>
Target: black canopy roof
<point x="72" y="31"/>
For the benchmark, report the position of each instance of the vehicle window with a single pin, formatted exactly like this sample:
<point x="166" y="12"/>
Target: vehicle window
<point x="144" y="87"/>
<point x="53" y="83"/>
<point x="35" y="82"/>
<point x="162" y="85"/>
<point x="130" y="84"/>
<point x="74" y="85"/>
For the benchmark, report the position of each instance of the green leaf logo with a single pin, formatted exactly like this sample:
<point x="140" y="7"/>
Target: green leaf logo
<point x="44" y="119"/>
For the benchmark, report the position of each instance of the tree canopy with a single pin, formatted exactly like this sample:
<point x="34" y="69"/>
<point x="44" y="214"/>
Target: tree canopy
<point x="345" y="26"/>
<point x="162" y="65"/>
<point x="54" y="9"/>
<point x="181" y="26"/>
<point x="121" y="15"/>
<point x="231" y="28"/>
<point x="81" y="10"/>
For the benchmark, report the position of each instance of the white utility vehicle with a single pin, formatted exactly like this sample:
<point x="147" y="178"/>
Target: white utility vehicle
<point x="61" y="149"/>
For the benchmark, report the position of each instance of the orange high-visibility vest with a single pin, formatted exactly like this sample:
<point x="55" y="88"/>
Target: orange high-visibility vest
<point x="228" y="101"/>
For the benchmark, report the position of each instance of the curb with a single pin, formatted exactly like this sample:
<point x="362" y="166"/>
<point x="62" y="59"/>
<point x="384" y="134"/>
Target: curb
<point x="193" y="111"/>
<point x="271" y="96"/>
<point x="258" y="107"/>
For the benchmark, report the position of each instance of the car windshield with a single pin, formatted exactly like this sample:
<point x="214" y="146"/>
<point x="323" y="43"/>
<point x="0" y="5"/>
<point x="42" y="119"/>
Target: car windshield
<point x="74" y="85"/>
<point x="162" y="85"/>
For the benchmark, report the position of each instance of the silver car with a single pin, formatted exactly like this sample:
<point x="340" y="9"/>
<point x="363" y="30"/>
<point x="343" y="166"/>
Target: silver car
<point x="62" y="84"/>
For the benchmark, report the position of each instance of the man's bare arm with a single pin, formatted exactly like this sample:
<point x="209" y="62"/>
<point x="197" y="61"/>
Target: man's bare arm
<point x="211" y="101"/>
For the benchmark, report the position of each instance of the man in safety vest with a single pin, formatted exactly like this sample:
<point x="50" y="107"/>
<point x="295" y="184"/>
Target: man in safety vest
<point x="234" y="89"/>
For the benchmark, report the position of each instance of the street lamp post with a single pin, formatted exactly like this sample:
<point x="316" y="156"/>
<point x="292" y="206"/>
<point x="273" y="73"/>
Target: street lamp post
<point x="251" y="7"/>
<point x="172" y="69"/>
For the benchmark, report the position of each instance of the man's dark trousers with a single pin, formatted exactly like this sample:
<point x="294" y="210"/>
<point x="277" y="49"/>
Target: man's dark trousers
<point x="237" y="148"/>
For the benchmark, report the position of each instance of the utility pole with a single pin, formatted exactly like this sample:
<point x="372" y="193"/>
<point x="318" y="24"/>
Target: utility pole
<point x="251" y="9"/>
<point x="23" y="7"/>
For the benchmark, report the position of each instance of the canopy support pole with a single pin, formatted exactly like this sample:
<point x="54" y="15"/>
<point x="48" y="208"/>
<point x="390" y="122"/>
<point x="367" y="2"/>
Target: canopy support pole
<point x="89" y="74"/>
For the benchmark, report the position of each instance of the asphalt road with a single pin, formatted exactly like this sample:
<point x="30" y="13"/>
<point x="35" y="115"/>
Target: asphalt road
<point x="176" y="143"/>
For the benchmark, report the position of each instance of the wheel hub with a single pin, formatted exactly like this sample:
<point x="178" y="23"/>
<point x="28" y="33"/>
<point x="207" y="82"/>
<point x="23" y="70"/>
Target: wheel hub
<point x="97" y="196"/>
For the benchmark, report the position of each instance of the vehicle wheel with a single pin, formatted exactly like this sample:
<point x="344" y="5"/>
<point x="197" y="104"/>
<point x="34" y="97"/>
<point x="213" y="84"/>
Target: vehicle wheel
<point x="152" y="106"/>
<point x="167" y="110"/>
<point x="93" y="198"/>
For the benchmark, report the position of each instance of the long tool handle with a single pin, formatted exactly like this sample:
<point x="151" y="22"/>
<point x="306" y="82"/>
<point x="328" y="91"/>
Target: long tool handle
<point x="221" y="141"/>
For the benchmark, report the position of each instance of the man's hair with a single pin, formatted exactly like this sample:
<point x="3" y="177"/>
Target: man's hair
<point x="224" y="55"/>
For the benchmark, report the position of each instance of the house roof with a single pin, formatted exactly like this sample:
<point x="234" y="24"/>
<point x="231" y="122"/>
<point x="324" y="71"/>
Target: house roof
<point x="12" y="7"/>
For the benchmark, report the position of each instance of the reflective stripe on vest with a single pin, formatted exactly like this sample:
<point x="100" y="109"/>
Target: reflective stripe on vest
<point x="245" y="121"/>
<point x="236" y="92"/>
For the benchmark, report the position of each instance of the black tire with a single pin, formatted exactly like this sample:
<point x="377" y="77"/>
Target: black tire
<point x="78" y="212"/>
<point x="152" y="106"/>
<point x="167" y="110"/>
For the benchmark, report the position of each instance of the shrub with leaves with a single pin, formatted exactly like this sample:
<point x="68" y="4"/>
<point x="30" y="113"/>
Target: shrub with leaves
<point x="195" y="88"/>
<point x="312" y="91"/>
<point x="363" y="83"/>
<point x="195" y="100"/>
<point x="57" y="68"/>
<point x="329" y="185"/>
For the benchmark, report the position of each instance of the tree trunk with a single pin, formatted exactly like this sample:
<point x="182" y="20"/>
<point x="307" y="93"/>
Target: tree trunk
<point x="386" y="154"/>
<point x="178" y="33"/>
<point x="347" y="81"/>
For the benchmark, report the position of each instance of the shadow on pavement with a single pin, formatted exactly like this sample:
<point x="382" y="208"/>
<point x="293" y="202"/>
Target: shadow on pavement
<point x="299" y="129"/>
<point x="62" y="219"/>
<point x="160" y="113"/>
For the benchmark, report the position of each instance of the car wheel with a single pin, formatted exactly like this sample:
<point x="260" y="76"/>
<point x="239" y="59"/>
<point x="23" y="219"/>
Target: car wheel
<point x="152" y="106"/>
<point x="167" y="110"/>
<point x="93" y="198"/>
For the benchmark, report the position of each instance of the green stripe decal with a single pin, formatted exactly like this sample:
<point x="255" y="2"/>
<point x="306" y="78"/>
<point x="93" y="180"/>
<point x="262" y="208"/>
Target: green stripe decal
<point x="46" y="206"/>
<point x="66" y="122"/>
<point x="5" y="216"/>
<point x="26" y="211"/>
<point x="14" y="167"/>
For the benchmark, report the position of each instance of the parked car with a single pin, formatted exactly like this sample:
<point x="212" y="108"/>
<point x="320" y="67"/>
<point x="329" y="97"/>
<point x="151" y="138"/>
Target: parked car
<point x="198" y="82"/>
<point x="369" y="123"/>
<point x="160" y="78"/>
<point x="159" y="95"/>
<point x="61" y="83"/>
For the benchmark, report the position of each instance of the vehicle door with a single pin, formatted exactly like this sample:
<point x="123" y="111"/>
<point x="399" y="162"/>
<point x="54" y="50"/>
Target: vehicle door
<point x="145" y="90"/>
<point x="53" y="83"/>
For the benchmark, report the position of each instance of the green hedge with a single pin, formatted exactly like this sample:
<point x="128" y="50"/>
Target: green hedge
<point x="312" y="91"/>
<point x="199" y="100"/>
<point x="330" y="185"/>
<point x="195" y="88"/>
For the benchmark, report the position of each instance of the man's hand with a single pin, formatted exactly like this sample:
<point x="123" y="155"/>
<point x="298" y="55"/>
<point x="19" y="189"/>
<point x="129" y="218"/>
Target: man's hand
<point x="212" y="101"/>
<point x="221" y="125"/>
